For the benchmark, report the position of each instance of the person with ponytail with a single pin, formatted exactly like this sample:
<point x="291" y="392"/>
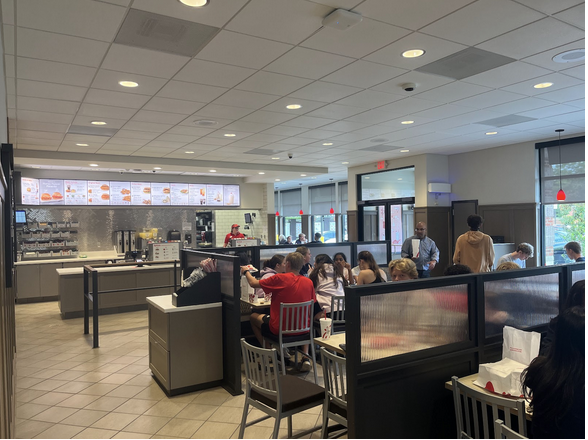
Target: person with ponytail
<point x="271" y="267"/>
<point x="328" y="280"/>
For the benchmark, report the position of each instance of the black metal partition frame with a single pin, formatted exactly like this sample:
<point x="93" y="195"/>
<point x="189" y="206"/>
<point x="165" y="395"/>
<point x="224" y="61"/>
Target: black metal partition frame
<point x="406" y="339"/>
<point x="229" y="268"/>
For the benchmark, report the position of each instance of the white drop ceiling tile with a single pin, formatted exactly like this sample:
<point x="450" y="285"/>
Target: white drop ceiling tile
<point x="482" y="20"/>
<point x="222" y="111"/>
<point x="264" y="116"/>
<point x="488" y="99"/>
<point x="190" y="91"/>
<point x="214" y="139"/>
<point x="320" y="134"/>
<point x="106" y="111"/>
<point x="8" y="38"/>
<point x="295" y="140"/>
<point x="180" y="138"/>
<point x="147" y="126"/>
<point x="213" y="74"/>
<point x="129" y="59"/>
<point x="336" y="111"/>
<point x="53" y="72"/>
<point x="214" y="14"/>
<point x="376" y="116"/>
<point x="49" y="46"/>
<point x="325" y="92"/>
<point x="33" y="116"/>
<point x="344" y="126"/>
<point x="40" y="134"/>
<point x="148" y="153"/>
<point x="564" y="95"/>
<point x="290" y="21"/>
<point x="241" y="98"/>
<point x="266" y="138"/>
<point x="549" y="111"/>
<point x="369" y="99"/>
<point x="9" y="66"/>
<point x="443" y="111"/>
<point x="173" y="105"/>
<point x="191" y="122"/>
<point x="281" y="130"/>
<point x="435" y="49"/>
<point x="85" y="139"/>
<point x="160" y="117"/>
<point x="250" y="127"/>
<point x="86" y="121"/>
<point x="521" y="105"/>
<point x="506" y="75"/>
<point x="575" y="116"/>
<point x="132" y="134"/>
<point x="544" y="59"/>
<point x="115" y="99"/>
<point x="39" y="89"/>
<point x="550" y="7"/>
<point x="47" y="105"/>
<point x="11" y="86"/>
<point x="453" y="92"/>
<point x="308" y="122"/>
<point x="280" y="106"/>
<point x="42" y="126"/>
<point x="273" y="83"/>
<point x="578" y="103"/>
<point x="80" y="18"/>
<point x="465" y="118"/>
<point x="44" y="142"/>
<point x="7" y="12"/>
<point x="308" y="63"/>
<point x="357" y="41"/>
<point x="576" y="72"/>
<point x="423" y="81"/>
<point x="168" y="145"/>
<point x="242" y="50"/>
<point x="460" y="130"/>
<point x="529" y="40"/>
<point x="109" y="80"/>
<point x="363" y="74"/>
<point x="355" y="138"/>
<point x="36" y="147"/>
<point x="135" y="143"/>
<point x="574" y="16"/>
<point x="189" y="131"/>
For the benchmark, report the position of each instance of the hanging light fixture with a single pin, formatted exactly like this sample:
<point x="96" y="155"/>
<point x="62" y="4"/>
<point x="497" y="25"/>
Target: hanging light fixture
<point x="332" y="211"/>
<point x="277" y="213"/>
<point x="301" y="212"/>
<point x="561" y="195"/>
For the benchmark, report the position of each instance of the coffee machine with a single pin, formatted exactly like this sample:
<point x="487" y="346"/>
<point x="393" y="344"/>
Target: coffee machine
<point x="124" y="241"/>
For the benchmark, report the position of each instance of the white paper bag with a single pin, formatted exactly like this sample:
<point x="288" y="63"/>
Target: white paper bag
<point x="519" y="345"/>
<point x="415" y="247"/>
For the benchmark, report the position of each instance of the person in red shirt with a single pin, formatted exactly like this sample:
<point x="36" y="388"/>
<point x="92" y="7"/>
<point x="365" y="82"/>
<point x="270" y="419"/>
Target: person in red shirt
<point x="289" y="287"/>
<point x="233" y="234"/>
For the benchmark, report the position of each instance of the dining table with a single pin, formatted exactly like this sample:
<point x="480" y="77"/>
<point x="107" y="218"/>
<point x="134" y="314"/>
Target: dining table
<point x="333" y="343"/>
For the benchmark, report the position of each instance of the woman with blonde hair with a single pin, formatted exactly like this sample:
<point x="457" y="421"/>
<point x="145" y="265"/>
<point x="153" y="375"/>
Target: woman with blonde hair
<point x="403" y="269"/>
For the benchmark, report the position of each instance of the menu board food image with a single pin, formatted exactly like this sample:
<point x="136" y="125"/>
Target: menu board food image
<point x="120" y="193"/>
<point x="214" y="195"/>
<point x="180" y="194"/>
<point x="160" y="194"/>
<point x="98" y="192"/>
<point x="30" y="191"/>
<point x="51" y="192"/>
<point x="140" y="193"/>
<point x="76" y="192"/>
<point x="197" y="194"/>
<point x="232" y="197"/>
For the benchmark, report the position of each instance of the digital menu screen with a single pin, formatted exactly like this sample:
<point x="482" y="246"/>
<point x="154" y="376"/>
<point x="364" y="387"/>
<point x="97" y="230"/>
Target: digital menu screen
<point x="113" y="193"/>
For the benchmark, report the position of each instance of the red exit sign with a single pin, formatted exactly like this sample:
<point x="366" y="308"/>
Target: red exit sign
<point x="381" y="164"/>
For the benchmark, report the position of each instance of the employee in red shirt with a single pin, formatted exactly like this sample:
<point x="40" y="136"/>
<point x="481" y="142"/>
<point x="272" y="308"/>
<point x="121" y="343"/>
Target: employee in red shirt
<point x="289" y="287"/>
<point x="233" y="234"/>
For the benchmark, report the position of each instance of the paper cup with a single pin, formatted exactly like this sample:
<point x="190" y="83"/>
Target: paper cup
<point x="252" y="298"/>
<point x="326" y="324"/>
<point x="267" y="297"/>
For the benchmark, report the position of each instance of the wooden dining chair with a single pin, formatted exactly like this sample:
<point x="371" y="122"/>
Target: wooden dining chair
<point x="470" y="403"/>
<point x="501" y="431"/>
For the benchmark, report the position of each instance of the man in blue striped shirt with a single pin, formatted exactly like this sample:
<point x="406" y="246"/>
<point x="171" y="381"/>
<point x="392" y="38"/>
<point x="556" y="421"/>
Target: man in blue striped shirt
<point x="427" y="254"/>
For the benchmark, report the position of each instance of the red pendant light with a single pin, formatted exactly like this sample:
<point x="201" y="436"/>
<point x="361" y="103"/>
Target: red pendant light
<point x="301" y="212"/>
<point x="277" y="213"/>
<point x="332" y="211"/>
<point x="561" y="195"/>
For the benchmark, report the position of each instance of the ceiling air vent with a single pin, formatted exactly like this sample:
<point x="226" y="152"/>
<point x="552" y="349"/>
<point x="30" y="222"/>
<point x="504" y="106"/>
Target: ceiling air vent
<point x="379" y="148"/>
<point x="93" y="131"/>
<point x="504" y="121"/>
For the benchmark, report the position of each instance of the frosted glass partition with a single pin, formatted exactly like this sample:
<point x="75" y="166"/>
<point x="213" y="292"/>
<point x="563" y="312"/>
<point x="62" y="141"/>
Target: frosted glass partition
<point x="578" y="275"/>
<point x="404" y="322"/>
<point x="266" y="254"/>
<point x="378" y="250"/>
<point x="521" y="302"/>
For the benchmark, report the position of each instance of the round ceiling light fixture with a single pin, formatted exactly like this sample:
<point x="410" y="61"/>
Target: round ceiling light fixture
<point x="212" y="171"/>
<point x="189" y="152"/>
<point x="570" y="56"/>
<point x="230" y="135"/>
<point x="407" y="122"/>
<point x="205" y="122"/>
<point x="326" y="144"/>
<point x="413" y="53"/>
<point x="98" y="123"/>
<point x="261" y="172"/>
<point x="156" y="168"/>
<point x="82" y="145"/>
<point x="275" y="158"/>
<point x="194" y="3"/>
<point x="128" y="83"/>
<point x="404" y="151"/>
<point x="293" y="106"/>
<point x="94" y="165"/>
<point x="490" y="133"/>
<point x="543" y="85"/>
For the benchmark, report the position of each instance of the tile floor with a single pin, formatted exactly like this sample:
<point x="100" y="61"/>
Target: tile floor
<point x="66" y="389"/>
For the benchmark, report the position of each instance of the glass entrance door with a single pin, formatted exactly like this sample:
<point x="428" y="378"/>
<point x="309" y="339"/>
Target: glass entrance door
<point x="392" y="220"/>
<point x="374" y="223"/>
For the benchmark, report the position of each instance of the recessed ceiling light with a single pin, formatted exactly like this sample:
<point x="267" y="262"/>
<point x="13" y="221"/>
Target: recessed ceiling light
<point x="543" y="85"/>
<point x="156" y="168"/>
<point x="230" y="135"/>
<point x="327" y="144"/>
<point x="98" y="123"/>
<point x="277" y="180"/>
<point x="261" y="172"/>
<point x="407" y="122"/>
<point x="275" y="158"/>
<point x="404" y="151"/>
<point x="413" y="53"/>
<point x="293" y="106"/>
<point x="205" y="122"/>
<point x="570" y="56"/>
<point x="212" y="171"/>
<point x="189" y="152"/>
<point x="194" y="3"/>
<point x="345" y="163"/>
<point x="128" y="83"/>
<point x="94" y="165"/>
<point x="490" y="133"/>
<point x="35" y="166"/>
<point x="367" y="177"/>
<point x="303" y="175"/>
<point x="82" y="145"/>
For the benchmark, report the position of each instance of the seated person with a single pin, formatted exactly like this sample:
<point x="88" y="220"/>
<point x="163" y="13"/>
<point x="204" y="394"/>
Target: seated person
<point x="328" y="281"/>
<point x="306" y="267"/>
<point x="369" y="271"/>
<point x="301" y="239"/>
<point x="403" y="269"/>
<point x="289" y="239"/>
<point x="520" y="256"/>
<point x="340" y="259"/>
<point x="289" y="287"/>
<point x="555" y="385"/>
<point x="271" y="267"/>
<point x="457" y="269"/>
<point x="317" y="238"/>
<point x="281" y="239"/>
<point x="508" y="265"/>
<point x="574" y="251"/>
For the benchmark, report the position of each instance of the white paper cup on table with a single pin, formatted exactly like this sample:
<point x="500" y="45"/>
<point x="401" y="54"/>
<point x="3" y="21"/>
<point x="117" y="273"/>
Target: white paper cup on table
<point x="326" y="325"/>
<point x="253" y="297"/>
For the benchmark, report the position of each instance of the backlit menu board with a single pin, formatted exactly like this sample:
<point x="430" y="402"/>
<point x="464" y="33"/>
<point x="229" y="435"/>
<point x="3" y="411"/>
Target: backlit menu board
<point x="114" y="193"/>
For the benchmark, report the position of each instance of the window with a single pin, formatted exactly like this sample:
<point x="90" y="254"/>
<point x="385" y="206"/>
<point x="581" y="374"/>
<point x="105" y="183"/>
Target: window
<point x="322" y="199"/>
<point x="563" y="221"/>
<point x="291" y="202"/>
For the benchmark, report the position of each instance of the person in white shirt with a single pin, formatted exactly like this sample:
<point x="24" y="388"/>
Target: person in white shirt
<point x="523" y="252"/>
<point x="328" y="280"/>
